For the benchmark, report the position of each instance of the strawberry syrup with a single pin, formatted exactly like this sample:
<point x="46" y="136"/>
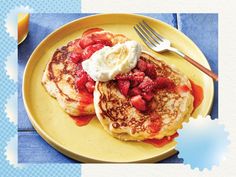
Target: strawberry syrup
<point x="85" y="100"/>
<point x="82" y="120"/>
<point x="160" y="143"/>
<point x="197" y="93"/>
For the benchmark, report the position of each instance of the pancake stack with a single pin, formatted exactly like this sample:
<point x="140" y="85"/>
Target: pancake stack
<point x="146" y="108"/>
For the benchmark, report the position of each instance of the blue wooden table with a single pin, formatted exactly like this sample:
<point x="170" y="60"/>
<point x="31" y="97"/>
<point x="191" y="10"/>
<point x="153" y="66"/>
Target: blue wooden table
<point x="201" y="28"/>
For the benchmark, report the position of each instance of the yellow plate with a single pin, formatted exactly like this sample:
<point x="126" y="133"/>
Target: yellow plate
<point x="91" y="143"/>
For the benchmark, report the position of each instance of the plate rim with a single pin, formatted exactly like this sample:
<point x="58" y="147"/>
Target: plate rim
<point x="58" y="145"/>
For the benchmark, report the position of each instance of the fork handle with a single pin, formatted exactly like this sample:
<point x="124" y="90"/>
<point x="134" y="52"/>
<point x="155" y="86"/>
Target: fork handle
<point x="196" y="64"/>
<point x="202" y="68"/>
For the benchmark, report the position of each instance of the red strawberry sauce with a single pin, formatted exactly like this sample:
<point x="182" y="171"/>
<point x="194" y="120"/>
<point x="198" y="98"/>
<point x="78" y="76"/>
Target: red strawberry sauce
<point x="197" y="93"/>
<point x="161" y="142"/>
<point x="84" y="47"/>
<point x="82" y="120"/>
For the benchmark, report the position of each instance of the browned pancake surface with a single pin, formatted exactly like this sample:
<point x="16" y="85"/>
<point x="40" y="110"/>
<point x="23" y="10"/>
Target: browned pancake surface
<point x="125" y="122"/>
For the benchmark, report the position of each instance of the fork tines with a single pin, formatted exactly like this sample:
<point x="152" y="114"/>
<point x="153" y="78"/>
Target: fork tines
<point x="147" y="34"/>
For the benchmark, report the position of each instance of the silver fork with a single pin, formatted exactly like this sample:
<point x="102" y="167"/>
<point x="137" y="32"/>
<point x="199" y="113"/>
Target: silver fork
<point x="159" y="44"/>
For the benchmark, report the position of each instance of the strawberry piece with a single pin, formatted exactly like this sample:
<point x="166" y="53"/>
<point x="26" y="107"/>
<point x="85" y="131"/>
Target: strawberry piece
<point x="134" y="91"/>
<point x="80" y="72"/>
<point x="78" y="50"/>
<point x="135" y="70"/>
<point x="147" y="96"/>
<point x="147" y="85"/>
<point x="90" y="86"/>
<point x="123" y="77"/>
<point x="164" y="83"/>
<point x="151" y="71"/>
<point x="104" y="42"/>
<point x="123" y="86"/>
<point x="91" y="30"/>
<point x="133" y="84"/>
<point x="81" y="80"/>
<point x="142" y="65"/>
<point x="85" y="42"/>
<point x="79" y="66"/>
<point x="96" y="47"/>
<point x="138" y="103"/>
<point x="90" y="79"/>
<point x="102" y="38"/>
<point x="137" y="76"/>
<point x="88" y="51"/>
<point x="76" y="57"/>
<point x="77" y="43"/>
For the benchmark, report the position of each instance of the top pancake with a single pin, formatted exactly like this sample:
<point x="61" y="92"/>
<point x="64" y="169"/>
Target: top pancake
<point x="60" y="74"/>
<point x="125" y="122"/>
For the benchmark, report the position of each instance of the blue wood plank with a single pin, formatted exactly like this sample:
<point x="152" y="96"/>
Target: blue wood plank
<point x="169" y="18"/>
<point x="33" y="149"/>
<point x="203" y="30"/>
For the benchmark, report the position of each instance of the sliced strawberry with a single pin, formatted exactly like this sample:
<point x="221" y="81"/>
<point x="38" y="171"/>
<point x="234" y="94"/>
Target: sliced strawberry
<point x="77" y="43"/>
<point x="81" y="72"/>
<point x="88" y="51"/>
<point x="76" y="57"/>
<point x="91" y="30"/>
<point x="147" y="96"/>
<point x="86" y="41"/>
<point x="142" y="65"/>
<point x="90" y="79"/>
<point x="134" y="84"/>
<point x="138" y="102"/>
<point x="123" y="86"/>
<point x="164" y="83"/>
<point x="135" y="70"/>
<point x="104" y="42"/>
<point x="78" y="50"/>
<point x="134" y="91"/>
<point x="96" y="47"/>
<point x="123" y="77"/>
<point x="79" y="66"/>
<point x="81" y="81"/>
<point x="102" y="38"/>
<point x="151" y="71"/>
<point x="147" y="85"/>
<point x="137" y="76"/>
<point x="90" y="86"/>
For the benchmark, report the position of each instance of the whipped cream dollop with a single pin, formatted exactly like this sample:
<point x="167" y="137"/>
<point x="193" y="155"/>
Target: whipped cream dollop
<point x="107" y="62"/>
